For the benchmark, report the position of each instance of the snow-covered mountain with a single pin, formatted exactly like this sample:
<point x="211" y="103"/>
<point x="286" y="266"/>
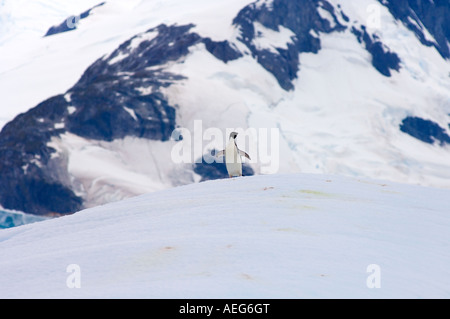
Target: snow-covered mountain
<point x="356" y="88"/>
<point x="273" y="236"/>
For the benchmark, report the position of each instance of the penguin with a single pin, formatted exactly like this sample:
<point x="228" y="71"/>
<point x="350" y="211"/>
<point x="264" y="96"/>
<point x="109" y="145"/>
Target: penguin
<point x="233" y="156"/>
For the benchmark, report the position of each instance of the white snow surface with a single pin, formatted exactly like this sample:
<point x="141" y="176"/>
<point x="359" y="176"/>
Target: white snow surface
<point x="270" y="40"/>
<point x="266" y="236"/>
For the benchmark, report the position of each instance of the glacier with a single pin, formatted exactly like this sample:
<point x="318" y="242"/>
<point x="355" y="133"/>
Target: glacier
<point x="10" y="219"/>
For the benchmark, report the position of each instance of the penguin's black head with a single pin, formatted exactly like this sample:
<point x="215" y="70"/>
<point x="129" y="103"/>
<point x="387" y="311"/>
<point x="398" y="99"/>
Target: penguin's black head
<point x="233" y="135"/>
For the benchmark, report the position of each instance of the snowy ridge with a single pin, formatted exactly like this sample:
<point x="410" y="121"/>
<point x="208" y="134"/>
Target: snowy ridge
<point x="273" y="236"/>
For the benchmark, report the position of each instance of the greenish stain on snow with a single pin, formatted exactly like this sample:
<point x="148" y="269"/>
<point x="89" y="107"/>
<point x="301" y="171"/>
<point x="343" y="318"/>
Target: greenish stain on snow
<point x="315" y="193"/>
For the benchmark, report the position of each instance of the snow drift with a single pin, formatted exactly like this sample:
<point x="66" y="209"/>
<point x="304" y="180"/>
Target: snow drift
<point x="274" y="236"/>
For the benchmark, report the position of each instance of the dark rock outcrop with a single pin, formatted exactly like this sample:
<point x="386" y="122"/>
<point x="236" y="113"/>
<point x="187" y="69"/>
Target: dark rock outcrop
<point x="382" y="58"/>
<point x="214" y="168"/>
<point x="301" y="17"/>
<point x="425" y="130"/>
<point x="71" y="22"/>
<point x="424" y="15"/>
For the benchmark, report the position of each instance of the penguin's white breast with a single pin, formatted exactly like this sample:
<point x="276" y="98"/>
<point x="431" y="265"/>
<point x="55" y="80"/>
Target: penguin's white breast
<point x="233" y="160"/>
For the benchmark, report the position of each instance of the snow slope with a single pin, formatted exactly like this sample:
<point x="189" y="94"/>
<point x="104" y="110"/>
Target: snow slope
<point x="273" y="236"/>
<point x="42" y="67"/>
<point x="31" y="63"/>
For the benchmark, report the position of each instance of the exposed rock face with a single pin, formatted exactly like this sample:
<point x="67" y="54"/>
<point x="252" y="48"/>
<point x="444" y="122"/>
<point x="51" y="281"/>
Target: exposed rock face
<point x="422" y="16"/>
<point x="302" y="18"/>
<point x="71" y="22"/>
<point x="425" y="130"/>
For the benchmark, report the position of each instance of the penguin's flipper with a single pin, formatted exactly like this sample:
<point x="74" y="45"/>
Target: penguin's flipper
<point x="242" y="153"/>
<point x="221" y="153"/>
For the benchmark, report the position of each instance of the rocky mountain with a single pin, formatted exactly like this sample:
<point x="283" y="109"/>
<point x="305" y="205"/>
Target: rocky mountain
<point x="346" y="97"/>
